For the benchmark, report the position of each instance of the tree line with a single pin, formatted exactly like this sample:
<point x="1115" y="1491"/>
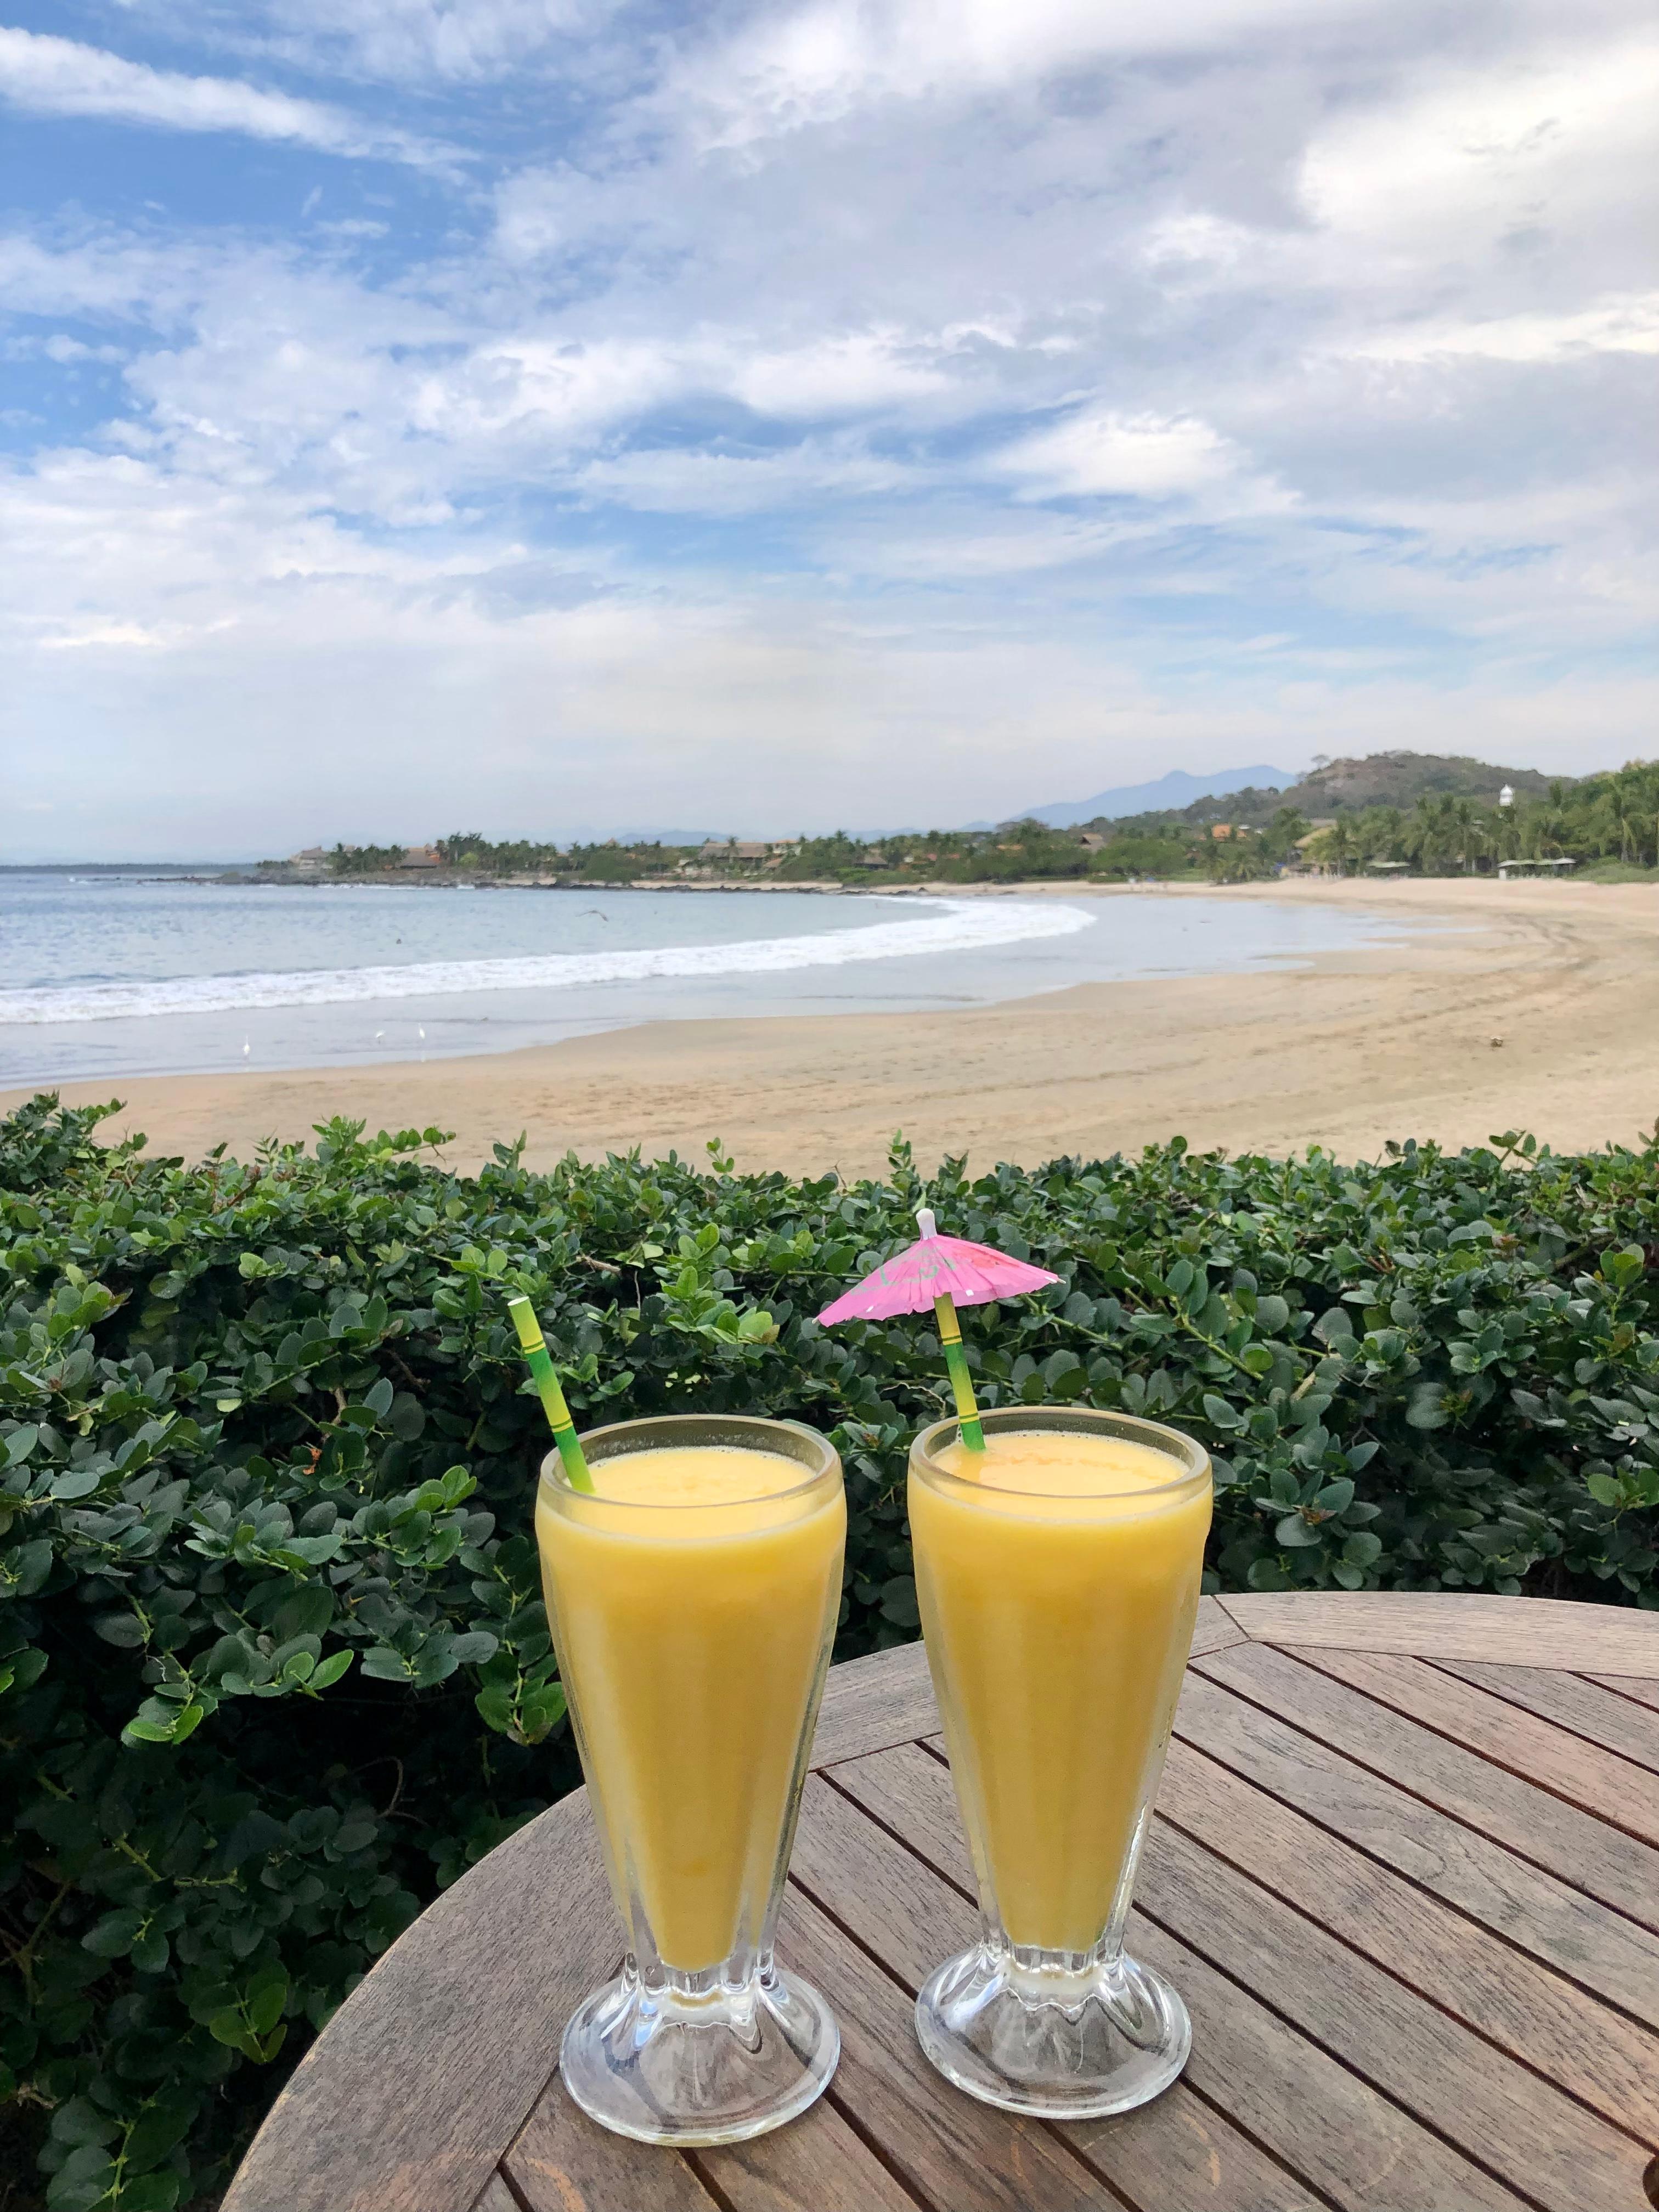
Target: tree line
<point x="1611" y="819"/>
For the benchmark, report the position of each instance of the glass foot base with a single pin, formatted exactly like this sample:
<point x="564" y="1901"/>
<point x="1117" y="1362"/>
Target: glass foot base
<point x="1066" y="2043"/>
<point x="680" y="2062"/>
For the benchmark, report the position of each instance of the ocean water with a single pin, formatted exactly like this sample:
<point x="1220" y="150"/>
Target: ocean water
<point x="128" y="975"/>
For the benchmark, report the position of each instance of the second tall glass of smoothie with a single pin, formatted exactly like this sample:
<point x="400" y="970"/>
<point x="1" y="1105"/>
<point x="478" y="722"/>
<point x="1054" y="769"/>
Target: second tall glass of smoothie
<point x="693" y="1598"/>
<point x="1058" y="1574"/>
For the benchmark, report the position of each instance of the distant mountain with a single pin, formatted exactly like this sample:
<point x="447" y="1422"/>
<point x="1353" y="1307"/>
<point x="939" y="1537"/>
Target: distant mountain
<point x="1168" y="795"/>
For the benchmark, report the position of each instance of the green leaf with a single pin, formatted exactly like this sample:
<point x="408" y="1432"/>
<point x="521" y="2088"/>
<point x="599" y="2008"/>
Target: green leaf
<point x="407" y="1418"/>
<point x="149" y="2192"/>
<point x="125" y="1629"/>
<point x="28" y="1567"/>
<point x="1426" y="1406"/>
<point x="314" y="1551"/>
<point x="495" y="1707"/>
<point x="75" y="1482"/>
<point x="307" y="1612"/>
<point x="1294" y="1533"/>
<point x="230" y="2029"/>
<point x="111" y="1937"/>
<point x="78" y="2120"/>
<point x="266" y="1997"/>
<point x="82" y="2182"/>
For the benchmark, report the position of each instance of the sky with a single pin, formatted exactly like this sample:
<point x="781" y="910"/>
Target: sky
<point x="542" y="416"/>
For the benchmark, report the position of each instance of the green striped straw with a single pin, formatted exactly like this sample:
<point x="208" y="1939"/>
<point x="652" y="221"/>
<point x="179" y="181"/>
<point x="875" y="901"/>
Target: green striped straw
<point x="552" y="1398"/>
<point x="955" y="1359"/>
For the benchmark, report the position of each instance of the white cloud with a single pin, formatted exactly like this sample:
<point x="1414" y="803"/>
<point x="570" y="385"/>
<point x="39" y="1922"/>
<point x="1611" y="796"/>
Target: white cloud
<point x="793" y="68"/>
<point x="668" y="480"/>
<point x="1137" y="456"/>
<point x="1629" y="323"/>
<point x="58" y="76"/>
<point x="1473" y="162"/>
<point x="1099" y="452"/>
<point x="848" y="374"/>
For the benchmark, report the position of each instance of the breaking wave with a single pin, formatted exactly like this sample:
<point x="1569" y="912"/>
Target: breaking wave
<point x="949" y="926"/>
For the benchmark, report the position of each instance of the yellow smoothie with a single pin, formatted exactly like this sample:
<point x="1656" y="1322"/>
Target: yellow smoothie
<point x="692" y="1602"/>
<point x="1057" y="1599"/>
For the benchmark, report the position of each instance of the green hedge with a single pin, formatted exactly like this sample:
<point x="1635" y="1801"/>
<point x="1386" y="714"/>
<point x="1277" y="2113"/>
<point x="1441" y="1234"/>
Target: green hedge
<point x="275" y="1666"/>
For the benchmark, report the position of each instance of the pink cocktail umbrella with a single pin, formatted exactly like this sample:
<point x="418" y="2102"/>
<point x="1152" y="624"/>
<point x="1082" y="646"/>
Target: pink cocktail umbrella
<point x="944" y="1272"/>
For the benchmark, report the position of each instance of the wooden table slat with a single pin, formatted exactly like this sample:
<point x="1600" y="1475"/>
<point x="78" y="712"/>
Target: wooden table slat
<point x="1494" y="2110"/>
<point x="817" y="2164"/>
<point x="561" y="2162"/>
<point x="1628" y="1685"/>
<point x="1535" y="1631"/>
<point x="1533" y="1911"/>
<point x="1214" y="1628"/>
<point x="1582" y="1850"/>
<point x="496" y="2196"/>
<point x="1580" y="1773"/>
<point x="1547" y="2022"/>
<point x="1582" y="1707"/>
<point x="887" y="1697"/>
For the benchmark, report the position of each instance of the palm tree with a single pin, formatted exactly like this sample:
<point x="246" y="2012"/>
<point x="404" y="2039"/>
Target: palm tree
<point x="1466" y="829"/>
<point x="1622" y="805"/>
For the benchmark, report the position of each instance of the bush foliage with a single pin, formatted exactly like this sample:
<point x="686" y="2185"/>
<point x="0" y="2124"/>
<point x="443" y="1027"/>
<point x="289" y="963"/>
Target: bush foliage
<point x="274" y="1662"/>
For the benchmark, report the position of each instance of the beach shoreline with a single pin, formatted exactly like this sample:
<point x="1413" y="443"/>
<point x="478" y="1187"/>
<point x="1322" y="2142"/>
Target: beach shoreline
<point x="1538" y="1011"/>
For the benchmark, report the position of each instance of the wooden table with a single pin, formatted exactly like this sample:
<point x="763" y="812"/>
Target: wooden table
<point x="1406" y="1873"/>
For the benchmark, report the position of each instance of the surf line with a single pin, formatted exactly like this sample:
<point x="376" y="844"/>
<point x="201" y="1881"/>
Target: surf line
<point x="954" y="926"/>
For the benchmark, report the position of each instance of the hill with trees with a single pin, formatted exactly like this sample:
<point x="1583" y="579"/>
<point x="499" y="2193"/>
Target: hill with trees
<point x="1400" y="779"/>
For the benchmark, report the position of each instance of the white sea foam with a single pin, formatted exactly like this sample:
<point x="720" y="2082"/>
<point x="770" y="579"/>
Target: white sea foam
<point x="949" y="926"/>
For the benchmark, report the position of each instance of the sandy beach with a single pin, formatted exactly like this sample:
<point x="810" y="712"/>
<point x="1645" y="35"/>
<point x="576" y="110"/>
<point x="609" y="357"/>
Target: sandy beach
<point x="1539" y="1011"/>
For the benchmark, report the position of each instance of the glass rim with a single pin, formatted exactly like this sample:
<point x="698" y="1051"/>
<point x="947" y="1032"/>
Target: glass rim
<point x="1175" y="1443"/>
<point x="552" y="1472"/>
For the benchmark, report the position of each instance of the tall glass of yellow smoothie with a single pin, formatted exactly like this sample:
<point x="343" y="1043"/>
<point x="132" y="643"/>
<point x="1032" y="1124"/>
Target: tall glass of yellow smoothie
<point x="693" y="1597"/>
<point x="1058" y="1574"/>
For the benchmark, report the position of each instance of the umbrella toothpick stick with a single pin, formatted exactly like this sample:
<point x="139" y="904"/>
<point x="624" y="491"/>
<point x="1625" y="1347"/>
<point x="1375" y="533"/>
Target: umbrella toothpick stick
<point x="955" y="1359"/>
<point x="944" y="1272"/>
<point x="547" y="1389"/>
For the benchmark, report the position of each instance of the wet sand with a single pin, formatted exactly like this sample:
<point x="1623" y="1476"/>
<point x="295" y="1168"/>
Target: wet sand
<point x="1540" y="1012"/>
